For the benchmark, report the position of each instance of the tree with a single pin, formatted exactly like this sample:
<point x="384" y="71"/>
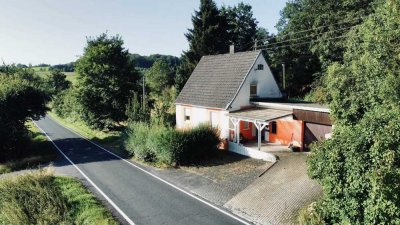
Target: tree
<point x="208" y="36"/>
<point x="163" y="111"/>
<point x="107" y="79"/>
<point x="242" y="26"/>
<point x="20" y="99"/>
<point x="159" y="77"/>
<point x="135" y="111"/>
<point x="359" y="168"/>
<point x="56" y="82"/>
<point x="311" y="36"/>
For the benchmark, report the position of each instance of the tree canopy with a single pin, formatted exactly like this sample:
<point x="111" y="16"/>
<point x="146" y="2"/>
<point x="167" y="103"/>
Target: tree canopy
<point x="106" y="81"/>
<point x="21" y="98"/>
<point x="359" y="168"/>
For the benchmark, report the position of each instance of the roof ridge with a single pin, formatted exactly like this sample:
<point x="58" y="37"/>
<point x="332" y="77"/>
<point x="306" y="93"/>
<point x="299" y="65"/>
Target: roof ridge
<point x="236" y="53"/>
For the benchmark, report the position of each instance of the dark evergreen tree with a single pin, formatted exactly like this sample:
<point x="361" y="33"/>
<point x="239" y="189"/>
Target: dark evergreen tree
<point x="242" y="26"/>
<point x="208" y="36"/>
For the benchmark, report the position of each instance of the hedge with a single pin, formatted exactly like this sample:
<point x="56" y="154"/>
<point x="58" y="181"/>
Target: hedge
<point x="169" y="146"/>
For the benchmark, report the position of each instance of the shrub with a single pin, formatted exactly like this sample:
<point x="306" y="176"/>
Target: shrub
<point x="155" y="143"/>
<point x="310" y="216"/>
<point x="136" y="141"/>
<point x="198" y="143"/>
<point x="65" y="104"/>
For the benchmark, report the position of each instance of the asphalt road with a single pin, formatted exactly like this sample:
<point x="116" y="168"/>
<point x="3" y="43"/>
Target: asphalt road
<point x="139" y="197"/>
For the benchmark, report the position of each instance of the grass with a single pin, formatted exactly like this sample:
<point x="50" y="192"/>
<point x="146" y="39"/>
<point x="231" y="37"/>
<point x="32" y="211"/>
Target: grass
<point x="44" y="71"/>
<point x="41" y="198"/>
<point x="113" y="140"/>
<point x="40" y="151"/>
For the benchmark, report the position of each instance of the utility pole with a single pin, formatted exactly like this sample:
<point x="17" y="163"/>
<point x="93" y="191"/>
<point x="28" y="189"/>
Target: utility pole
<point x="144" y="94"/>
<point x="255" y="44"/>
<point x="284" y="76"/>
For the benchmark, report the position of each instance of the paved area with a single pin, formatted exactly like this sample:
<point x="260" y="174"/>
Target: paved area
<point x="143" y="198"/>
<point x="277" y="196"/>
<point x="217" y="181"/>
<point x="268" y="147"/>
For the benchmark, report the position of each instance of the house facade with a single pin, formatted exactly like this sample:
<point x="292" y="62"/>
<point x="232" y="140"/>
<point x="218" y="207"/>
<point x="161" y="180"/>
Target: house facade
<point x="229" y="91"/>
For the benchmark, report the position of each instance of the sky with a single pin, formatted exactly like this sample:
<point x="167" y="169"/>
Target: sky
<point x="55" y="31"/>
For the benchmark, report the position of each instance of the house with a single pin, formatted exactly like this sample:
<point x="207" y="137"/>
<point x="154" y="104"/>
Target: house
<point x="237" y="93"/>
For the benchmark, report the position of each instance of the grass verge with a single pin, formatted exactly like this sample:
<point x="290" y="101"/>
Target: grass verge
<point x="41" y="198"/>
<point x="40" y="151"/>
<point x="113" y="140"/>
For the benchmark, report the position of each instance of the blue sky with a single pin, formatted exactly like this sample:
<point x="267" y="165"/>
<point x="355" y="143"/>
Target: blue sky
<point x="54" y="31"/>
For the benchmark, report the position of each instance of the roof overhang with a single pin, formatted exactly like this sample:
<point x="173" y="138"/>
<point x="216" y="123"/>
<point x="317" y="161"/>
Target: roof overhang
<point x="260" y="114"/>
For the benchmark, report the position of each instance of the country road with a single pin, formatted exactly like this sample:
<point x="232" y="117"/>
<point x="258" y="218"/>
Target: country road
<point x="136" y="195"/>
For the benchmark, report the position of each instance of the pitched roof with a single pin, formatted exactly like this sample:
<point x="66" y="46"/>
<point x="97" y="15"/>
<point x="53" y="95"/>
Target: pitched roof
<point x="216" y="79"/>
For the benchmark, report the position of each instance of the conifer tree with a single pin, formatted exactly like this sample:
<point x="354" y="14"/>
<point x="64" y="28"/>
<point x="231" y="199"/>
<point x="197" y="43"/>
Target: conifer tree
<point x="208" y="36"/>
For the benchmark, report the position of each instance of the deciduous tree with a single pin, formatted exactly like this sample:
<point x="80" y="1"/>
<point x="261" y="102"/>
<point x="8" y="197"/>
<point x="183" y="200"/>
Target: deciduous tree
<point x="107" y="79"/>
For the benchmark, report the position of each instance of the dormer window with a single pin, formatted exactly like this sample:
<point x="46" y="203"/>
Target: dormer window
<point x="260" y="67"/>
<point x="253" y="90"/>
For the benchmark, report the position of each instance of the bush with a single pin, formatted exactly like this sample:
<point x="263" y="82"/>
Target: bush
<point x="310" y="216"/>
<point x="136" y="142"/>
<point x="65" y="104"/>
<point x="154" y="143"/>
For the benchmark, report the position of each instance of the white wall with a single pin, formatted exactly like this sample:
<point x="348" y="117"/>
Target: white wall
<point x="266" y="85"/>
<point x="200" y="115"/>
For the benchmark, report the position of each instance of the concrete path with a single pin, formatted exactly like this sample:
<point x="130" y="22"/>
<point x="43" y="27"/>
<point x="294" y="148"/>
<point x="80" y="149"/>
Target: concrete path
<point x="277" y="196"/>
<point x="137" y="196"/>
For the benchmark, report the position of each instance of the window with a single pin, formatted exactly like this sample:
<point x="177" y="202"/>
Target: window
<point x="273" y="127"/>
<point x="260" y="67"/>
<point x="253" y="90"/>
<point x="187" y="114"/>
<point x="246" y="125"/>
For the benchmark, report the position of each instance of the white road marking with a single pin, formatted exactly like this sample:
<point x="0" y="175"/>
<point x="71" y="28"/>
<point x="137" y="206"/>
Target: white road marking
<point x="158" y="178"/>
<point x="88" y="179"/>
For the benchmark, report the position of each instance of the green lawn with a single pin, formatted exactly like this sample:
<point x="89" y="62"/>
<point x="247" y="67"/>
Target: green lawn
<point x="113" y="140"/>
<point x="44" y="71"/>
<point x="41" y="198"/>
<point x="40" y="151"/>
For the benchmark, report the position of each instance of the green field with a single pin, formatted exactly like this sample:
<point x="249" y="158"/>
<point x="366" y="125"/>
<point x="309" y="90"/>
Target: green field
<point x="44" y="71"/>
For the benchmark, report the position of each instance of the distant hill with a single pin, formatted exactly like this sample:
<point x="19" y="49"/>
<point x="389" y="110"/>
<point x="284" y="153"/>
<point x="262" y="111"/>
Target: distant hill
<point x="145" y="62"/>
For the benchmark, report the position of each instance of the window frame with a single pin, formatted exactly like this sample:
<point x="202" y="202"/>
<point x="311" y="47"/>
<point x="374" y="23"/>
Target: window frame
<point x="186" y="115"/>
<point x="260" y="66"/>
<point x="256" y="94"/>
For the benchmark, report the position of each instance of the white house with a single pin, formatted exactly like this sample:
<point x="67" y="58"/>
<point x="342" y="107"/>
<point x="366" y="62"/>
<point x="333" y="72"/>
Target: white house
<point x="228" y="90"/>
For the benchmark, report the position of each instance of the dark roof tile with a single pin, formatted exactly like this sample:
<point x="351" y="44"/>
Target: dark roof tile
<point x="216" y="79"/>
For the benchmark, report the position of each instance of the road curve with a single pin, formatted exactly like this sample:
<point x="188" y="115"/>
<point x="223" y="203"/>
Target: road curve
<point x="138" y="196"/>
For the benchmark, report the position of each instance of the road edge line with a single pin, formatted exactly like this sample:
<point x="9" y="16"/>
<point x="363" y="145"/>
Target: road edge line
<point x="242" y="220"/>
<point x="87" y="178"/>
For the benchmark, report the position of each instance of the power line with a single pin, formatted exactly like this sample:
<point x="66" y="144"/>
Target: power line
<point x="275" y="43"/>
<point x="301" y="43"/>
<point x="302" y="31"/>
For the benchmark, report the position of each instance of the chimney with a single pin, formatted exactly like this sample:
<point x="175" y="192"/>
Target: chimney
<point x="231" y="49"/>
